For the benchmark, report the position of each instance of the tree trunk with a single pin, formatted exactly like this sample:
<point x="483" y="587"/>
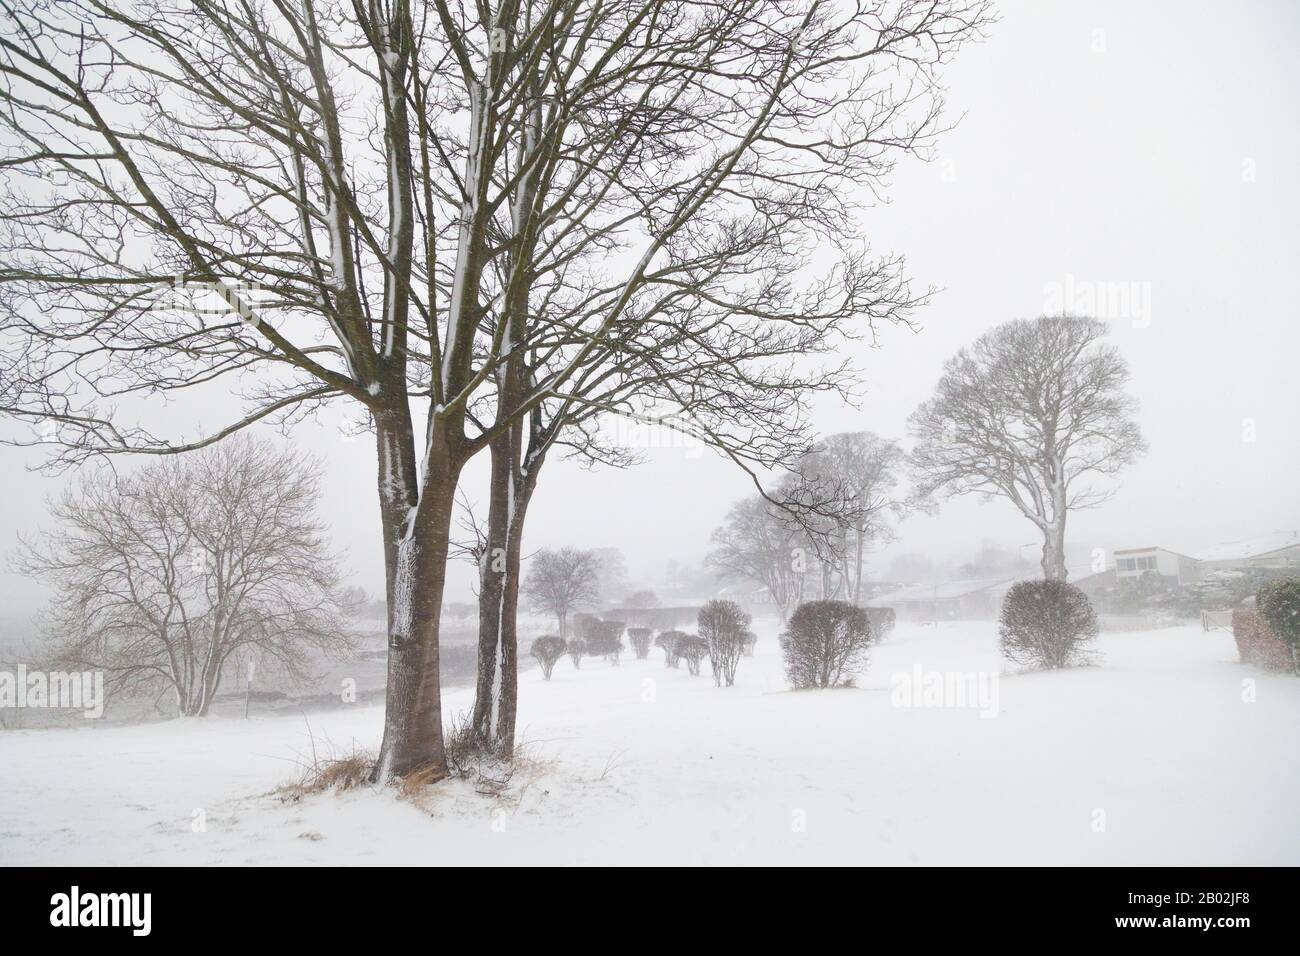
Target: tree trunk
<point x="857" y="572"/>
<point x="416" y="549"/>
<point x="1054" y="551"/>
<point x="496" y="692"/>
<point x="491" y="588"/>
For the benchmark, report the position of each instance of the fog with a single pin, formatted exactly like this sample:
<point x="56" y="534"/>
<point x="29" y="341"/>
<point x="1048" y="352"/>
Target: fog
<point x="1096" y="161"/>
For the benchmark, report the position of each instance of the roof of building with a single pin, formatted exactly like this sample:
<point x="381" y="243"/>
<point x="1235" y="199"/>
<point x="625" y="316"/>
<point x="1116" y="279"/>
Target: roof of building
<point x="1154" y="547"/>
<point x="946" y="590"/>
<point x="1251" y="547"/>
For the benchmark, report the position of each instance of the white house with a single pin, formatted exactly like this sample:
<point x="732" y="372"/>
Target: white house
<point x="1177" y="568"/>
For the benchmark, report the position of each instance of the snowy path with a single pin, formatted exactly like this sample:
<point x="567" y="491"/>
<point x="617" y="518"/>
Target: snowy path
<point x="640" y="764"/>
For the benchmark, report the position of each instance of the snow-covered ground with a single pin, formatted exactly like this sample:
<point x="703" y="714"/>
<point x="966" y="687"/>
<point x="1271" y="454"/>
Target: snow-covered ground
<point x="1163" y="753"/>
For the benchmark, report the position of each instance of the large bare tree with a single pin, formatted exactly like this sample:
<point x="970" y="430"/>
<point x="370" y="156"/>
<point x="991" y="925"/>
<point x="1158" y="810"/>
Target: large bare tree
<point x="1034" y="411"/>
<point x="357" y="202"/>
<point x="166" y="576"/>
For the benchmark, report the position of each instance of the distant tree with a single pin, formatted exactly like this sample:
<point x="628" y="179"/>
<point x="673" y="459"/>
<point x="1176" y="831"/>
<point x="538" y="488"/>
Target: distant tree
<point x="858" y="472"/>
<point x="723" y="624"/>
<point x="164" y="576"/>
<point x="758" y="542"/>
<point x="641" y="599"/>
<point x="547" y="650"/>
<point x="611" y="575"/>
<point x="1032" y="411"/>
<point x="825" y="643"/>
<point x="562" y="580"/>
<point x="1046" y="624"/>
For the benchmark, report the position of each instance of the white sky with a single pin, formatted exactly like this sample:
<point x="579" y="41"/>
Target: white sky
<point x="1110" y="142"/>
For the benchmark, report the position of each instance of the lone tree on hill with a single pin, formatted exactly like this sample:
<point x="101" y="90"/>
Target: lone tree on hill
<point x="1034" y="411"/>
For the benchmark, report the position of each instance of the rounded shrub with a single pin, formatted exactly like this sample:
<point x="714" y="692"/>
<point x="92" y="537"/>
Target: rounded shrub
<point x="640" y="638"/>
<point x="668" y="641"/>
<point x="692" y="650"/>
<point x="825" y="643"/>
<point x="1046" y="624"/>
<point x="576" y="649"/>
<point x="604" y="640"/>
<point x="548" y="649"/>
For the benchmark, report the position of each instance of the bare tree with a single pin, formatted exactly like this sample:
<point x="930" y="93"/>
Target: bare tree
<point x="693" y="344"/>
<point x="225" y="151"/>
<point x="164" y="577"/>
<point x="759" y="542"/>
<point x="561" y="580"/>
<point x="858" y="472"/>
<point x="1034" y="411"/>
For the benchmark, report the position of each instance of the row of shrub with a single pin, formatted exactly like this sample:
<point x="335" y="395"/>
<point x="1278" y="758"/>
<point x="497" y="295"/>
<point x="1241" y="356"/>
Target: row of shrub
<point x="1043" y="624"/>
<point x="823" y="646"/>
<point x="1046" y="624"/>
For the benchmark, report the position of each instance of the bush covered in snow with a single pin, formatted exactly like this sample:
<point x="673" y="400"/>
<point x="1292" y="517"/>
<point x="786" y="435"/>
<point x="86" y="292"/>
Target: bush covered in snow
<point x="1279" y="603"/>
<point x="548" y="649"/>
<point x="576" y="649"/>
<point x="1257" y="644"/>
<point x="1046" y="624"/>
<point x="748" y="641"/>
<point x="724" y="625"/>
<point x="640" y="638"/>
<point x="825" y="644"/>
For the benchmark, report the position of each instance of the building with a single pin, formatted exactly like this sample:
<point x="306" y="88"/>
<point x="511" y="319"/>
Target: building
<point x="1277" y="551"/>
<point x="1175" y="568"/>
<point x="952" y="600"/>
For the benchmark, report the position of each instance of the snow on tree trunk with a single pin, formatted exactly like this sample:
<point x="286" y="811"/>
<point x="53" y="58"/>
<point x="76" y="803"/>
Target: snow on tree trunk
<point x="492" y="579"/>
<point x="1054" y="552"/>
<point x="416" y="558"/>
